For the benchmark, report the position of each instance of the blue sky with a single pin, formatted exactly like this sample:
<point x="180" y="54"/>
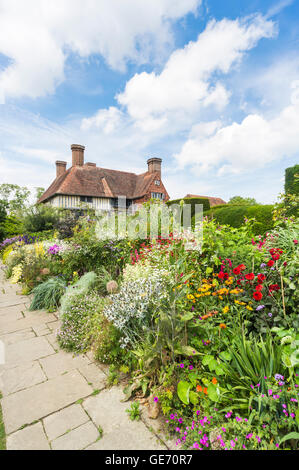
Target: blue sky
<point x="211" y="87"/>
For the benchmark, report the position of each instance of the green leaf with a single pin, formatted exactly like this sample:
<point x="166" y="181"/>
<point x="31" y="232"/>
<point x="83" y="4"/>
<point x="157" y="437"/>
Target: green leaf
<point x="212" y="392"/>
<point x="183" y="391"/>
<point x="207" y="359"/>
<point x="193" y="398"/>
<point x="291" y="435"/>
<point x="187" y="317"/>
<point x="188" y="351"/>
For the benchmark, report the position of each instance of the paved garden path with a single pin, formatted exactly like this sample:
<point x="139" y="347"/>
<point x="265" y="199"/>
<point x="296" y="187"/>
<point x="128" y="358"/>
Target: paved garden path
<point x="53" y="400"/>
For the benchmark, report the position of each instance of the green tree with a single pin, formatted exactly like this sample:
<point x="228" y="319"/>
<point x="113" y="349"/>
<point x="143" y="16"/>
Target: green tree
<point x="40" y="217"/>
<point x="39" y="192"/>
<point x="242" y="201"/>
<point x="3" y="214"/>
<point x="15" y="196"/>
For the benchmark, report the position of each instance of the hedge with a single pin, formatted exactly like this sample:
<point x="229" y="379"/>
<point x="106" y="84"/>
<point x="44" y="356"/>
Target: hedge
<point x="193" y="201"/>
<point x="291" y="182"/>
<point x="234" y="216"/>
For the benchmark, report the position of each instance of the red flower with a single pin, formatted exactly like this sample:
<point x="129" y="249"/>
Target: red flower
<point x="249" y="276"/>
<point x="237" y="270"/>
<point x="272" y="251"/>
<point x="221" y="275"/>
<point x="259" y="287"/>
<point x="276" y="256"/>
<point x="270" y="263"/>
<point x="257" y="295"/>
<point x="226" y="276"/>
<point x="261" y="278"/>
<point x="296" y="242"/>
<point x="242" y="267"/>
<point x="274" y="287"/>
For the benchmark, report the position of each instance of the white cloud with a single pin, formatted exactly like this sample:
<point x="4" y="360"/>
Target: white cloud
<point x="252" y="144"/>
<point x="187" y="82"/>
<point x="106" y="119"/>
<point x="37" y="36"/>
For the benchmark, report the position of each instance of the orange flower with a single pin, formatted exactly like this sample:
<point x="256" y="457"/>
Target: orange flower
<point x="222" y="326"/>
<point x="205" y="391"/>
<point x="199" y="388"/>
<point x="214" y="380"/>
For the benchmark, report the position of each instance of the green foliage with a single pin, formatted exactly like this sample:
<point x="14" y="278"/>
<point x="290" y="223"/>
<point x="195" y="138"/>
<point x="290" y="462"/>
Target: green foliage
<point x="3" y="213"/>
<point x="75" y="333"/>
<point x="48" y="294"/>
<point x="134" y="411"/>
<point x="192" y="201"/>
<point x="15" y="196"/>
<point x="292" y="180"/>
<point x="234" y="216"/>
<point x="39" y="218"/>
<point x="251" y="361"/>
<point x="84" y="285"/>
<point x="13" y="226"/>
<point x="65" y="227"/>
<point x="242" y="201"/>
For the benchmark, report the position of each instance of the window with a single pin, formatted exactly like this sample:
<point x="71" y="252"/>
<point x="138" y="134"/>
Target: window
<point x="85" y="199"/>
<point x="157" y="182"/>
<point x="158" y="196"/>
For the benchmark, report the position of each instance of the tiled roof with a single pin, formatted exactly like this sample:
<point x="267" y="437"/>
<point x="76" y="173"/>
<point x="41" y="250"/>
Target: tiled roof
<point x="99" y="182"/>
<point x="214" y="201"/>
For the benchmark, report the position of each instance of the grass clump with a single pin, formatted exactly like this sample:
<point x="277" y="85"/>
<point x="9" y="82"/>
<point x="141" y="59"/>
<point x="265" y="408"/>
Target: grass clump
<point x="48" y="294"/>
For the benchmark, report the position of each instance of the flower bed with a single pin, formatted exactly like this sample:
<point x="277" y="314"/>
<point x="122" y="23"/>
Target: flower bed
<point x="209" y="339"/>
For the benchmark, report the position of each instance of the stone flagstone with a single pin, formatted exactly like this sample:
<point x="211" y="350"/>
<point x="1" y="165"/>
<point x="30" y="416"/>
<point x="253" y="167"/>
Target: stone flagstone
<point x="69" y="418"/>
<point x="78" y="438"/>
<point x="30" y="438"/>
<point x="21" y="377"/>
<point x="37" y="402"/>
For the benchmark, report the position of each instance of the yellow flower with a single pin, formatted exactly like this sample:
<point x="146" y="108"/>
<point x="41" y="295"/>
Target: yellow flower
<point x="225" y="309"/>
<point x="249" y="308"/>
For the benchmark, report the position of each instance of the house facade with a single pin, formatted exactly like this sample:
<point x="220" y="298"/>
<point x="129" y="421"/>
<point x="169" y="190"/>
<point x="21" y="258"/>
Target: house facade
<point x="87" y="185"/>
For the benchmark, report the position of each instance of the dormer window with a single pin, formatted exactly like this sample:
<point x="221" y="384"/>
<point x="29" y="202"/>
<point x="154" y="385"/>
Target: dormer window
<point x="157" y="182"/>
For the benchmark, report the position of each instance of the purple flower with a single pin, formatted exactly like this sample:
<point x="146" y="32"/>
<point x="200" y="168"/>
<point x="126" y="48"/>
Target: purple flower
<point x="156" y="399"/>
<point x="260" y="307"/>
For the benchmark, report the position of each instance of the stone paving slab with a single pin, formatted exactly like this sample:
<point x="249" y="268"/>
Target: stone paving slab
<point x="29" y="438"/>
<point x="14" y="310"/>
<point x="119" y="432"/>
<point x="136" y="437"/>
<point x="69" y="418"/>
<point x="23" y="324"/>
<point x="18" y="336"/>
<point x="60" y="363"/>
<point x="22" y="377"/>
<point x="27" y="351"/>
<point x="94" y="375"/>
<point x="39" y="401"/>
<point x="78" y="438"/>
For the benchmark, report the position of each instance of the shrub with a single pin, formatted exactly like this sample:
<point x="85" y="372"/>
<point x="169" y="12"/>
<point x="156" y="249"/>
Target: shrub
<point x="48" y="294"/>
<point x="75" y="333"/>
<point x="84" y="285"/>
<point x="39" y="218"/>
<point x="235" y="215"/>
<point x="66" y="227"/>
<point x="292" y="180"/>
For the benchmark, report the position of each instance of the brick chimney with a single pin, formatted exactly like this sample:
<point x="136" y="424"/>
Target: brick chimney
<point x="77" y="155"/>
<point x="154" y="165"/>
<point x="60" y="168"/>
